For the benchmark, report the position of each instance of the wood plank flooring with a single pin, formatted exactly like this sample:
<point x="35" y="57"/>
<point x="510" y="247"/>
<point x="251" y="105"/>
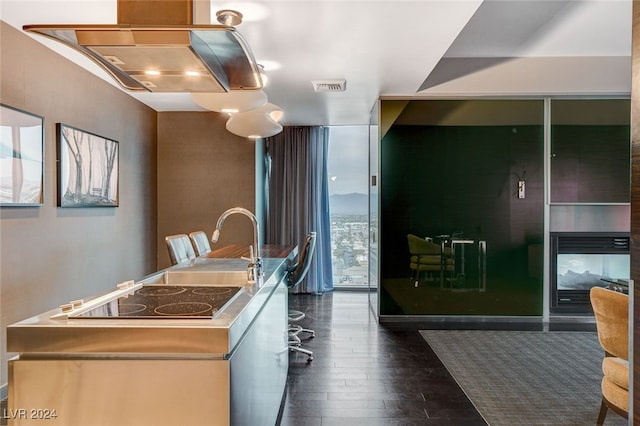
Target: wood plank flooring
<point x="364" y="373"/>
<point x="369" y="374"/>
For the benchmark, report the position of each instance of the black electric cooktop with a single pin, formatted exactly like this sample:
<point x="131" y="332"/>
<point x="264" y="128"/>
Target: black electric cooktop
<point x="166" y="301"/>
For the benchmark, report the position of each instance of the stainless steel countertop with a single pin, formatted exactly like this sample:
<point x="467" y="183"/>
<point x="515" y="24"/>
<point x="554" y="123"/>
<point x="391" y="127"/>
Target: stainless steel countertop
<point x="43" y="335"/>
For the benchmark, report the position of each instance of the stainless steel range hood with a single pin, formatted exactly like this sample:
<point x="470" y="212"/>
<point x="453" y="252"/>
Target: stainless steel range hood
<point x="168" y="54"/>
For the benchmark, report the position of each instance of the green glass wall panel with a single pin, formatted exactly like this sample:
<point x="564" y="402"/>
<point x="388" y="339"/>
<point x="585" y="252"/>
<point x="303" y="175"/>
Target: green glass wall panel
<point x="590" y="151"/>
<point x="451" y="169"/>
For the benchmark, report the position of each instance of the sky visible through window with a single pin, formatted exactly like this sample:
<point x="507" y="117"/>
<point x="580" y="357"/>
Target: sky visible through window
<point x="348" y="159"/>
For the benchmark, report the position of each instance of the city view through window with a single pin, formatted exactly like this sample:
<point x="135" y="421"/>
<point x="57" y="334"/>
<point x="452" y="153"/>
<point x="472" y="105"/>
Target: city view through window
<point x="348" y="166"/>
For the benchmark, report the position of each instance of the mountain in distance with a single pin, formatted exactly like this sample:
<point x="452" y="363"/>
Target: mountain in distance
<point x="349" y="204"/>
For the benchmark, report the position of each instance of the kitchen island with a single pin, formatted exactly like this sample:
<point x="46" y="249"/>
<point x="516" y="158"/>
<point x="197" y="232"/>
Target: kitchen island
<point x="89" y="363"/>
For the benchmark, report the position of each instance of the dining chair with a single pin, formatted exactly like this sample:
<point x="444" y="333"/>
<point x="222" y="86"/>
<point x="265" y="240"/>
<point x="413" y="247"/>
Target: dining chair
<point x="180" y="248"/>
<point x="428" y="256"/>
<point x="294" y="276"/>
<point x="200" y="242"/>
<point x="611" y="311"/>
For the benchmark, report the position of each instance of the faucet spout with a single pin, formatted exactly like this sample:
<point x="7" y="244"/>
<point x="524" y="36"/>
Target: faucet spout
<point x="256" y="261"/>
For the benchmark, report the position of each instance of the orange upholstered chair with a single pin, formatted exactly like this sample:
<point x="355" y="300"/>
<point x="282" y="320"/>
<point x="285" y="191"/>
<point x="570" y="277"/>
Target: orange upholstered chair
<point x="611" y="310"/>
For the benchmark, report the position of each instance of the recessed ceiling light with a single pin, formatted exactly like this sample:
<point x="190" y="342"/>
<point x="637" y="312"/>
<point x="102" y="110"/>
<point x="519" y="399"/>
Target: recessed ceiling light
<point x="192" y="73"/>
<point x="152" y="72"/>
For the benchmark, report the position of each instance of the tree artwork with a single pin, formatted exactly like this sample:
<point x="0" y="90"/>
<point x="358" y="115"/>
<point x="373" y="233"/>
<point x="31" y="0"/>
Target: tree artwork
<point x="88" y="169"/>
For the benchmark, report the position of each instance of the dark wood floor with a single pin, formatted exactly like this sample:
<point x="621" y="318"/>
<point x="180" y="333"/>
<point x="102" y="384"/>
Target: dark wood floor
<point x="364" y="373"/>
<point x="369" y="374"/>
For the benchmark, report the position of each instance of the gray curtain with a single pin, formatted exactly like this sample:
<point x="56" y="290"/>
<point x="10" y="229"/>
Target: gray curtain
<point x="298" y="198"/>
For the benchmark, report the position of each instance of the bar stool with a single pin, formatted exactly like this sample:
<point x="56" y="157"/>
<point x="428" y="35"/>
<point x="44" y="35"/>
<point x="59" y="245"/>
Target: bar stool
<point x="200" y="242"/>
<point x="294" y="276"/>
<point x="180" y="248"/>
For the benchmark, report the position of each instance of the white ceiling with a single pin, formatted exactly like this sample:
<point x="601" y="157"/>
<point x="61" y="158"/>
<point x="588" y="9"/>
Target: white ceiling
<point x="398" y="49"/>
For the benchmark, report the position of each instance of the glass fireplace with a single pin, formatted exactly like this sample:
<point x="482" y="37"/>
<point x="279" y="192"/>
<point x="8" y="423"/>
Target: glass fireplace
<point x="580" y="261"/>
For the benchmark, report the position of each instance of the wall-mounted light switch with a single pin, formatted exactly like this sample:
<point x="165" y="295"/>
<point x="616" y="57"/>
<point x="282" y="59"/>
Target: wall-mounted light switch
<point x="521" y="185"/>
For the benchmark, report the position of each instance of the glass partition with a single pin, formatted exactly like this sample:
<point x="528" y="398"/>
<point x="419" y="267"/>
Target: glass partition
<point x="461" y="207"/>
<point x="590" y="151"/>
<point x="374" y="222"/>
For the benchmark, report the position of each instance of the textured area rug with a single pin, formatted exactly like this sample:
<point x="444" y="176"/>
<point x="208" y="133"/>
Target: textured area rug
<point x="526" y="377"/>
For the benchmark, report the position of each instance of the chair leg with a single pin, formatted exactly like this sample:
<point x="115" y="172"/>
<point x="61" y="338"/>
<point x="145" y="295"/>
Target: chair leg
<point x="307" y="352"/>
<point x="295" y="343"/>
<point x="310" y="332"/>
<point x="602" y="414"/>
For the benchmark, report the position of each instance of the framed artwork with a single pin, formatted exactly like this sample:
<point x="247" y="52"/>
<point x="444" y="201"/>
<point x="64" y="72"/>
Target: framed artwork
<point x="87" y="169"/>
<point x="21" y="158"/>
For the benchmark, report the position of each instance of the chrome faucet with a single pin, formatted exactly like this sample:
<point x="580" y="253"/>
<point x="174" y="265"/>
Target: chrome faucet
<point x="255" y="262"/>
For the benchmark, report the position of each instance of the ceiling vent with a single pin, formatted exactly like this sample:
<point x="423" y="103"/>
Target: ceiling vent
<point x="329" y="85"/>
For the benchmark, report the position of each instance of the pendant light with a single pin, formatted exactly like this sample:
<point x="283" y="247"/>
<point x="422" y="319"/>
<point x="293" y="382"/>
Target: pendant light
<point x="231" y="102"/>
<point x="272" y="110"/>
<point x="258" y="123"/>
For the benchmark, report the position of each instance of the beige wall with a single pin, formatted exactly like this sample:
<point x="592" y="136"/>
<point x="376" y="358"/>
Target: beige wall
<point x="202" y="171"/>
<point x="51" y="255"/>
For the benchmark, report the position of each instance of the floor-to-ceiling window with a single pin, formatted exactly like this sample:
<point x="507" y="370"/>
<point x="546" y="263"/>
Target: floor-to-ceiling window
<point x="348" y="167"/>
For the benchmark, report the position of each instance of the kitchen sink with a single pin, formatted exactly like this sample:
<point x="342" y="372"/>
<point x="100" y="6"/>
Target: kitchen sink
<point x="222" y="272"/>
<point x="209" y="277"/>
<point x="223" y="278"/>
